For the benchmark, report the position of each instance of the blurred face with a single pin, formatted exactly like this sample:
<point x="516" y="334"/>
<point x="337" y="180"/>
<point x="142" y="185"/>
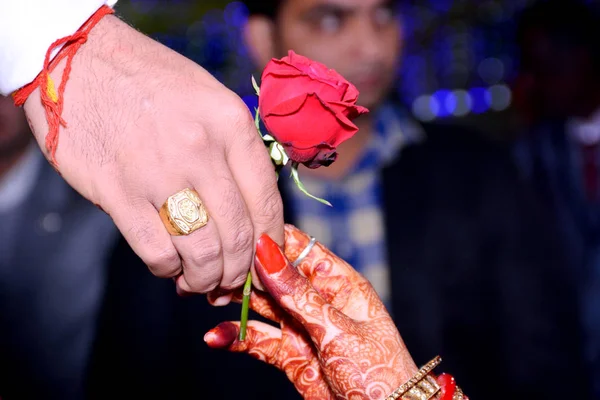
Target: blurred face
<point x="358" y="38"/>
<point x="14" y="130"/>
<point x="559" y="75"/>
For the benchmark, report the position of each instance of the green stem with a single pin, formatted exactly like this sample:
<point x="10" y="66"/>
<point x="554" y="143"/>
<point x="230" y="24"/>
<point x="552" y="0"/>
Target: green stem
<point x="245" y="307"/>
<point x="295" y="166"/>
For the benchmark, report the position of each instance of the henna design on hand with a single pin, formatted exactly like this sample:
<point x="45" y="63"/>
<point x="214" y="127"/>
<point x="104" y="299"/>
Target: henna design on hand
<point x="336" y="339"/>
<point x="288" y="348"/>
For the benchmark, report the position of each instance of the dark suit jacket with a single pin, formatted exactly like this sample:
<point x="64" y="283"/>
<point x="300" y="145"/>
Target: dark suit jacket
<point x="51" y="284"/>
<point x="150" y="344"/>
<point x="477" y="272"/>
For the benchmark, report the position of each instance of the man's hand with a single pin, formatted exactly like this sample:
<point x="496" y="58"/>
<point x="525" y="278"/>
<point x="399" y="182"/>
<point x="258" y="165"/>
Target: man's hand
<point x="143" y="123"/>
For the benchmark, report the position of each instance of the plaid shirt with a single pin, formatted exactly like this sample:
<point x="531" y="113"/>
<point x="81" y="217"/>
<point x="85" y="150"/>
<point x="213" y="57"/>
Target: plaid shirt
<point x="354" y="227"/>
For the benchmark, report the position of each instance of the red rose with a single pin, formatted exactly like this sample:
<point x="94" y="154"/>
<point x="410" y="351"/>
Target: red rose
<point x="308" y="108"/>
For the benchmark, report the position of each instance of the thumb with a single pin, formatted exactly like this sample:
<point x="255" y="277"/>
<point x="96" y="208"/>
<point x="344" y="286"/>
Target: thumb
<point x="293" y="292"/>
<point x="263" y="341"/>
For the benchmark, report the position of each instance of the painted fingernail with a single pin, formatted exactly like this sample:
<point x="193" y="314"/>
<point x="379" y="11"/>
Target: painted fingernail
<point x="269" y="255"/>
<point x="223" y="335"/>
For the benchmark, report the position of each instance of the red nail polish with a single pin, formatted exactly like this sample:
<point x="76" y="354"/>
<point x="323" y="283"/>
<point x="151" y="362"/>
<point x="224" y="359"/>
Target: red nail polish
<point x="269" y="255"/>
<point x="221" y="336"/>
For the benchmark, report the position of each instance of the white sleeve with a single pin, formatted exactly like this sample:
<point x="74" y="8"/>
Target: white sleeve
<point x="29" y="27"/>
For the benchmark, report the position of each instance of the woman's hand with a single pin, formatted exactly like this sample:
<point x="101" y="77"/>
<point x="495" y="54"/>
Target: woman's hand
<point x="335" y="338"/>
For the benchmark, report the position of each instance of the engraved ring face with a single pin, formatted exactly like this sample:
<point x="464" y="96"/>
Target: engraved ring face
<point x="184" y="213"/>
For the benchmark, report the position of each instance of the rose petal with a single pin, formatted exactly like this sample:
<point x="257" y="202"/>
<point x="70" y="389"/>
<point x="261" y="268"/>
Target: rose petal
<point x="295" y="64"/>
<point x="300" y="65"/>
<point x="319" y="156"/>
<point x="293" y="75"/>
<point x="308" y="107"/>
<point x="323" y="159"/>
<point x="301" y="62"/>
<point x="351" y="111"/>
<point x="275" y="93"/>
<point x="277" y="89"/>
<point x="351" y="95"/>
<point x="309" y="123"/>
<point x="300" y="155"/>
<point x="313" y="68"/>
<point x="281" y="68"/>
<point x="344" y="113"/>
<point x="273" y="84"/>
<point x="287" y="107"/>
<point x="341" y="85"/>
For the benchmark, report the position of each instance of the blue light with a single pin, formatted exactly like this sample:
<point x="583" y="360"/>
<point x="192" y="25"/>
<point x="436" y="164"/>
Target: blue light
<point x="480" y="98"/>
<point x="236" y="14"/>
<point x="444" y="98"/>
<point x="451" y="103"/>
<point x="434" y="107"/>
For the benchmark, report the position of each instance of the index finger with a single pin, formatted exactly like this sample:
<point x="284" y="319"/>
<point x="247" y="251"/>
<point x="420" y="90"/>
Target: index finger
<point x="339" y="284"/>
<point x="255" y="176"/>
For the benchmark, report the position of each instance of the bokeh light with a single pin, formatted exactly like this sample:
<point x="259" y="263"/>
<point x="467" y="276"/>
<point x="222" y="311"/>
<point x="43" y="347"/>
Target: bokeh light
<point x="458" y="56"/>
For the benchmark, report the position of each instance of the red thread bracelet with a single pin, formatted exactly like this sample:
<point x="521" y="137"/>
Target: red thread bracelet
<point x="51" y="99"/>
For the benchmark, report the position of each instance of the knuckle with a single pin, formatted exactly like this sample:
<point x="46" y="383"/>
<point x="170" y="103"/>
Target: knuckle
<point x="203" y="280"/>
<point x="209" y="252"/>
<point x="237" y="109"/>
<point x="241" y="238"/>
<point x="163" y="263"/>
<point x="232" y="206"/>
<point x="270" y="207"/>
<point x="238" y="282"/>
<point x="240" y="119"/>
<point x="196" y="139"/>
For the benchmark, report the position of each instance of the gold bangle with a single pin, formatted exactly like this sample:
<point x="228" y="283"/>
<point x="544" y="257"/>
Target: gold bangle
<point x="421" y="386"/>
<point x="427" y="388"/>
<point x="458" y="394"/>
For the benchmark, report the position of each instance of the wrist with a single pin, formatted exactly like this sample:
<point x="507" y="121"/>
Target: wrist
<point x="96" y="47"/>
<point x="50" y="84"/>
<point x="112" y="41"/>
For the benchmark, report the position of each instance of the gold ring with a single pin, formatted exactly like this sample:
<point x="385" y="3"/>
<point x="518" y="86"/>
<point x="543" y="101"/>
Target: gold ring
<point x="183" y="213"/>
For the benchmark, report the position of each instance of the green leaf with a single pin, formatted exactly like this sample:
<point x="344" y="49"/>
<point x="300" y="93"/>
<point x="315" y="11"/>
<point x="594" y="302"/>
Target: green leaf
<point x="255" y="86"/>
<point x="268" y="138"/>
<point x="257" y="121"/>
<point x="302" y="188"/>
<point x="278" y="154"/>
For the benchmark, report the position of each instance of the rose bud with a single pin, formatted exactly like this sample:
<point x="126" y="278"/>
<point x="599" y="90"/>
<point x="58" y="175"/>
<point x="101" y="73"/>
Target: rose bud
<point x="307" y="108"/>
